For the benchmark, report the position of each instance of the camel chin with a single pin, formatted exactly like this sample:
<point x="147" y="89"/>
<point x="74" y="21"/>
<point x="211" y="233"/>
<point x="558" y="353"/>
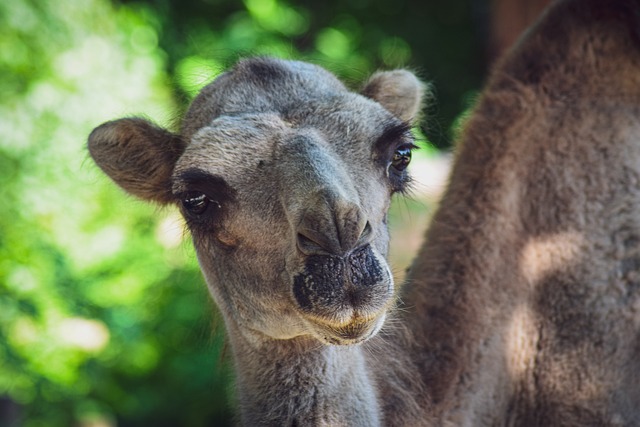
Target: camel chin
<point x="354" y="332"/>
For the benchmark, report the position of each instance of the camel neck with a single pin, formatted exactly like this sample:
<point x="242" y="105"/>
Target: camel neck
<point x="302" y="382"/>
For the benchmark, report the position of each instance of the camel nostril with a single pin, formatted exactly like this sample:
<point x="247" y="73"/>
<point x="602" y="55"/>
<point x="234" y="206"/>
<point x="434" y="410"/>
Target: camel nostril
<point x="366" y="233"/>
<point x="310" y="244"/>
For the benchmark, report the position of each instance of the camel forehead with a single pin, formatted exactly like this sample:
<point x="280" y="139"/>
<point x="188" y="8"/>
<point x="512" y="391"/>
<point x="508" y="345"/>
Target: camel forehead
<point x="236" y="141"/>
<point x="239" y="147"/>
<point x="294" y="91"/>
<point x="236" y="144"/>
<point x="237" y="124"/>
<point x="275" y="85"/>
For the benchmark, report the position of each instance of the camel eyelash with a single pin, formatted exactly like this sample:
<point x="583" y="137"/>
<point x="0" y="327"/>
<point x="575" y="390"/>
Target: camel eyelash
<point x="396" y="167"/>
<point x="397" y="133"/>
<point x="202" y="196"/>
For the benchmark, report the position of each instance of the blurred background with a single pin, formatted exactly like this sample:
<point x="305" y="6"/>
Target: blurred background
<point x="104" y="317"/>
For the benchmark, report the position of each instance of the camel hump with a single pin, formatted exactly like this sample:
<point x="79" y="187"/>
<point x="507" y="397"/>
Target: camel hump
<point x="580" y="46"/>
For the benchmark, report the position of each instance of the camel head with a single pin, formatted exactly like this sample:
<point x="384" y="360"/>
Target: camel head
<point x="284" y="178"/>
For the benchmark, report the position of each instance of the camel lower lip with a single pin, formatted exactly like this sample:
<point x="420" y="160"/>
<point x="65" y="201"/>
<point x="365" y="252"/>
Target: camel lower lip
<point x="347" y="334"/>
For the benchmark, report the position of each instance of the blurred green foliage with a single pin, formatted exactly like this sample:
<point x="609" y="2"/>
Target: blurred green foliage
<point x="104" y="317"/>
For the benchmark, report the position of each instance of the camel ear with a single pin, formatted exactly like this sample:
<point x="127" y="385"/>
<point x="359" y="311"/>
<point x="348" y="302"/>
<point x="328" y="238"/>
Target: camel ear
<point x="138" y="156"/>
<point x="399" y="91"/>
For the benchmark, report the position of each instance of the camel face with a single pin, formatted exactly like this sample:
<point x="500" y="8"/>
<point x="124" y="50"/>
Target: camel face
<point x="293" y="234"/>
<point x="284" y="178"/>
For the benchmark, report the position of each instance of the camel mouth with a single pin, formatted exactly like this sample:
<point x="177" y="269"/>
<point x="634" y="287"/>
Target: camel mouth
<point x="344" y="299"/>
<point x="355" y="332"/>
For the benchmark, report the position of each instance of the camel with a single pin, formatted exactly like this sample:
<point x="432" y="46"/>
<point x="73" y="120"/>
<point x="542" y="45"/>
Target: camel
<point x="522" y="308"/>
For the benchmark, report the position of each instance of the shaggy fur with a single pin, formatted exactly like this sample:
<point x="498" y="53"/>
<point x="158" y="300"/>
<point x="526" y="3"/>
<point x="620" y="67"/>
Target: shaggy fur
<point x="523" y="306"/>
<point x="528" y="289"/>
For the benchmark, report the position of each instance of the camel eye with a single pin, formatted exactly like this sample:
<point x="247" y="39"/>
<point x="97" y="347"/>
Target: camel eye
<point x="401" y="158"/>
<point x="196" y="203"/>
